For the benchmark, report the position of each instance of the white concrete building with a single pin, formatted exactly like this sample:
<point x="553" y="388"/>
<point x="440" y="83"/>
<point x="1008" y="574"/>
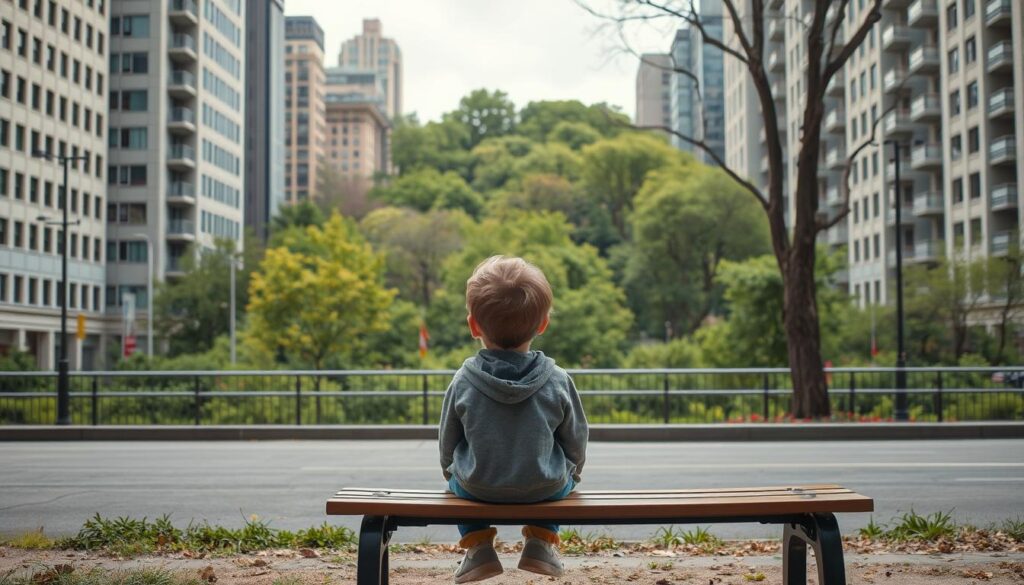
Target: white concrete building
<point x="654" y="91"/>
<point x="53" y="98"/>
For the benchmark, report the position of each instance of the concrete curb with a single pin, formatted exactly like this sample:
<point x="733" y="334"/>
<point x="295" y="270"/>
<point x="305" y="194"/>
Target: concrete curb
<point x="632" y="433"/>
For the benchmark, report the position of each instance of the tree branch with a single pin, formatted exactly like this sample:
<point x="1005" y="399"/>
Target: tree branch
<point x="874" y="15"/>
<point x="840" y="17"/>
<point x="693" y="18"/>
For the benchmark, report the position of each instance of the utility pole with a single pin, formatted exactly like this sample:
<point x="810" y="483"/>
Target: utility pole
<point x="900" y="408"/>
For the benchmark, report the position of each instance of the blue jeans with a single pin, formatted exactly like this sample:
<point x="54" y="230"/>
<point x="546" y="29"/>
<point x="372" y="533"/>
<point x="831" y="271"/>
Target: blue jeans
<point x="465" y="529"/>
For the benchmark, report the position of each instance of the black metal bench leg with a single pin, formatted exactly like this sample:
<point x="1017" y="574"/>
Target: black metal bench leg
<point x="821" y="533"/>
<point x="372" y="567"/>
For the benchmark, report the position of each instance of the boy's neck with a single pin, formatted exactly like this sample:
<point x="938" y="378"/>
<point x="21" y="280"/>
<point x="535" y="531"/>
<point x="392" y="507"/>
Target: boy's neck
<point x="524" y="348"/>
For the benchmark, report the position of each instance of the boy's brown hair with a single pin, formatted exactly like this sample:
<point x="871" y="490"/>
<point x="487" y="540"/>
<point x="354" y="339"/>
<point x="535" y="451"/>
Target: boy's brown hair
<point x="509" y="298"/>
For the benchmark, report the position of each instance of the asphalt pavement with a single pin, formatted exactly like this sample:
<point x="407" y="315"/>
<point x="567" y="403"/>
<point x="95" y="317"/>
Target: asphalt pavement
<point x="59" y="485"/>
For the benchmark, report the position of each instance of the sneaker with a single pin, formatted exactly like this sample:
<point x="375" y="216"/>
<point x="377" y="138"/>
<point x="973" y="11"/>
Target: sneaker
<point x="541" y="557"/>
<point x="481" y="562"/>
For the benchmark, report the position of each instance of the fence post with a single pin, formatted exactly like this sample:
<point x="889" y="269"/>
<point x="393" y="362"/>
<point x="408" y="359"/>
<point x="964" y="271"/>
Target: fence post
<point x="938" y="395"/>
<point x="298" y="400"/>
<point x="316" y="388"/>
<point x="197" y="405"/>
<point x="764" y="405"/>
<point x="851" y="406"/>
<point x="426" y="402"/>
<point x="666" y="407"/>
<point x="95" y="401"/>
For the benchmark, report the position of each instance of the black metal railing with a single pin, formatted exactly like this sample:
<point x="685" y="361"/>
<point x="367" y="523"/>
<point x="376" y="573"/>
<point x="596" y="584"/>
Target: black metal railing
<point x="666" y="396"/>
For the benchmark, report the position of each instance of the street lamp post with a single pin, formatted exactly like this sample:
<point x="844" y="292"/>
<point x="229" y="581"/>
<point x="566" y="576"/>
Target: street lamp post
<point x="900" y="409"/>
<point x="63" y="393"/>
<point x="232" y="260"/>
<point x="149" y="293"/>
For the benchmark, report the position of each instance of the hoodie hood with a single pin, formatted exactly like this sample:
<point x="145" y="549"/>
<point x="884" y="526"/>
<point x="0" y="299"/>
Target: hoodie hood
<point x="508" y="376"/>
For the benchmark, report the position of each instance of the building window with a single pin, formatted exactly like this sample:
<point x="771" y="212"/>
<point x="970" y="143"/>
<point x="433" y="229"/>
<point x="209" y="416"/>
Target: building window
<point x="975" y="180"/>
<point x="958" y="191"/>
<point x="976" y="231"/>
<point x="955" y="147"/>
<point x="954" y="103"/>
<point x="969" y="9"/>
<point x="972" y="95"/>
<point x="973" y="141"/>
<point x="954" y="60"/>
<point x="130" y="26"/>
<point x="970" y="51"/>
<point x="951" y="18"/>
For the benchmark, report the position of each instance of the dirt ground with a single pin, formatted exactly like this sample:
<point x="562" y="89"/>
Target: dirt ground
<point x="411" y="568"/>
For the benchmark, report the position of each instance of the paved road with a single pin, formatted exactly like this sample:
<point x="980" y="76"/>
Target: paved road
<point x="59" y="485"/>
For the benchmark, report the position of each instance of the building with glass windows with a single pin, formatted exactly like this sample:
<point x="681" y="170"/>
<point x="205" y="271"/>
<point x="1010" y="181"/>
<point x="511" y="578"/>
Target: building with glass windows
<point x="53" y="99"/>
<point x="372" y="50"/>
<point x="305" y="109"/>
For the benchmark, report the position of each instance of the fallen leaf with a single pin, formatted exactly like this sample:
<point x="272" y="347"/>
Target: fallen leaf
<point x="309" y="553"/>
<point x="754" y="576"/>
<point x="207" y="574"/>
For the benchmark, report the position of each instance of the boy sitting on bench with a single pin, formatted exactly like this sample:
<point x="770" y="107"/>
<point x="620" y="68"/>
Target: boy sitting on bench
<point x="512" y="425"/>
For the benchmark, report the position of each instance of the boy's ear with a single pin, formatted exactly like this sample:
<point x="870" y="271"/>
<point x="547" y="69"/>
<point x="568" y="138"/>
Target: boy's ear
<point x="543" y="325"/>
<point x="474" y="327"/>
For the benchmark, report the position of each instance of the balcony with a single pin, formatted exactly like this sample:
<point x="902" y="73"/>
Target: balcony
<point x="894" y="79"/>
<point x="779" y="90"/>
<point x="832" y="196"/>
<point x="181" y="229"/>
<point x="922" y="13"/>
<point x="835" y="121"/>
<point x="1002" y="150"/>
<point x="776" y="29"/>
<point x="181" y="84"/>
<point x="1000" y="56"/>
<point x="926" y="156"/>
<point x="905" y="170"/>
<point x="906" y="216"/>
<point x="181" y="193"/>
<point x="1000" y="103"/>
<point x="894" y="3"/>
<point x="181" y="121"/>
<point x="836" y="87"/>
<point x="183" y="48"/>
<point x="183" y="12"/>
<point x="897" y="122"/>
<point x="926" y="108"/>
<point x="1004" y="197"/>
<point x="895" y="37"/>
<point x="998" y="12"/>
<point x="928" y="205"/>
<point x="775" y="4"/>
<point x="924" y="59"/>
<point x="927" y="251"/>
<point x="776" y="63"/>
<point x="1001" y="243"/>
<point x="838" y="235"/>
<point x="835" y="158"/>
<point x="175" y="266"/>
<point x="181" y="157"/>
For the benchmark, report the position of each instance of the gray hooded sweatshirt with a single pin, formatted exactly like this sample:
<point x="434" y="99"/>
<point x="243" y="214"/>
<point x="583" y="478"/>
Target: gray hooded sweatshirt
<point x="512" y="427"/>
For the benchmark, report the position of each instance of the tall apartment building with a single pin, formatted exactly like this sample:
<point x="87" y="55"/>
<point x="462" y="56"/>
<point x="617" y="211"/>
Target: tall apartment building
<point x="305" y="108"/>
<point x="697" y="107"/>
<point x="264" y="113"/>
<point x="372" y="50"/>
<point x="654" y="91"/>
<point x="937" y="79"/>
<point x="53" y="98"/>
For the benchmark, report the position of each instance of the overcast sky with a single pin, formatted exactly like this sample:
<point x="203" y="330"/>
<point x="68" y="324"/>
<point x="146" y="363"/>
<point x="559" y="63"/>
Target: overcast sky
<point x="532" y="49"/>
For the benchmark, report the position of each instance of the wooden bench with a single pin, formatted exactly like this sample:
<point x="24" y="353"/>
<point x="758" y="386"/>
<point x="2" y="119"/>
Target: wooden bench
<point x="806" y="512"/>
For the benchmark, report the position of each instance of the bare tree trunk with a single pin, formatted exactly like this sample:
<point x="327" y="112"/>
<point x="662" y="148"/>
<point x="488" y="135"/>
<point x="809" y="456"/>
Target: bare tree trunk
<point x="800" y="319"/>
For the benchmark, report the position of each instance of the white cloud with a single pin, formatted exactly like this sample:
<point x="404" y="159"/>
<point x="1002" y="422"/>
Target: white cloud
<point x="532" y="49"/>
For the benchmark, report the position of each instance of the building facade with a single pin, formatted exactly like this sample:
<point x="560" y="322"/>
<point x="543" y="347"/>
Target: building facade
<point x="697" y="106"/>
<point x="53" y="99"/>
<point x="264" y="113"/>
<point x="372" y="50"/>
<point x="936" y="77"/>
<point x="654" y="91"/>
<point x="305" y="109"/>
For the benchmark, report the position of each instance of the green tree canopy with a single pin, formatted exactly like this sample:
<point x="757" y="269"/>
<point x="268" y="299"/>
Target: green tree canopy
<point x="427" y="189"/>
<point x="487" y="114"/>
<point x="538" y="119"/>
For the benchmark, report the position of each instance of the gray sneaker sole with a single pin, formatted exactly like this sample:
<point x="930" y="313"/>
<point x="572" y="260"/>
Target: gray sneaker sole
<point x="540" y="567"/>
<point x="480" y="573"/>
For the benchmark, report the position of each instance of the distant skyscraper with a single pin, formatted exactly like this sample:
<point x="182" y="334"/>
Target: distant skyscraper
<point x="371" y="50"/>
<point x="699" y="112"/>
<point x="653" y="91"/>
<point x="264" y="113"/>
<point x="54" y="86"/>
<point x="305" y="109"/>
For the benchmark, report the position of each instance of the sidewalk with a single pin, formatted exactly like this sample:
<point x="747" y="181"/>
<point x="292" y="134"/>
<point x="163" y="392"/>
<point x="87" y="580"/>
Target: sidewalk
<point x="435" y="568"/>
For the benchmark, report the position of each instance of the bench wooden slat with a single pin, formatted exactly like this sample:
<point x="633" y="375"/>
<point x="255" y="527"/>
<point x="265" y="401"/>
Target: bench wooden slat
<point x="809" y="487"/>
<point x="606" y="505"/>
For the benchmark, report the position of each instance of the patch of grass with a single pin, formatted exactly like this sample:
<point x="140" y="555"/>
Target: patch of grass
<point x="914" y="526"/>
<point x="654" y="566"/>
<point x="35" y="540"/>
<point x="67" y="575"/>
<point x="127" y="536"/>
<point x="872" y="531"/>
<point x="575" y="542"/>
<point x="669" y="536"/>
<point x="1014" y="528"/>
<point x="759" y="576"/>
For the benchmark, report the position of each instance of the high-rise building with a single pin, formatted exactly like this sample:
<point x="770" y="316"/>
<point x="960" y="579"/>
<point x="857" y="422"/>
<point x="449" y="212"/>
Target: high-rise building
<point x="696" y="102"/>
<point x="937" y="79"/>
<point x="177" y="115"/>
<point x="305" y="109"/>
<point x="654" y="91"/>
<point x="264" y="113"/>
<point x="53" y="99"/>
<point x="372" y="50"/>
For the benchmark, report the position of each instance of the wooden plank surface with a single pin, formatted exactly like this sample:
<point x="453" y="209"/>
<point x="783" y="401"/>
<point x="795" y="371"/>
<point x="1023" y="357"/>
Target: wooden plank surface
<point x="605" y="504"/>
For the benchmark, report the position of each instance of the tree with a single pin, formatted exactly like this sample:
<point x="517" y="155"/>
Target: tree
<point x="443" y="146"/>
<point x="538" y="119"/>
<point x="426" y="189"/>
<point x="686" y="221"/>
<point x="793" y="244"/>
<point x="301" y="214"/>
<point x="1006" y="286"/>
<point x="318" y="295"/>
<point x="615" y="168"/>
<point x="345" y="194"/>
<point x="575" y="135"/>
<point x="415" y="245"/>
<point x="486" y="114"/>
<point x="190" y="312"/>
<point x="495" y="161"/>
